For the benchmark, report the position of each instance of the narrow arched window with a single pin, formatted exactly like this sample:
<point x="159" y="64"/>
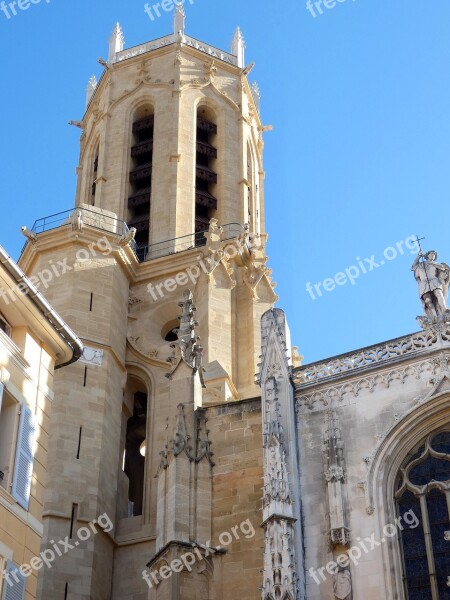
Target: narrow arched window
<point x="205" y="172"/>
<point x="94" y="176"/>
<point x="423" y="490"/>
<point x="135" y="447"/>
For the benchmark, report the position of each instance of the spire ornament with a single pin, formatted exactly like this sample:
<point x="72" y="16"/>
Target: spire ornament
<point x="188" y="340"/>
<point x="116" y="43"/>
<point x="179" y="21"/>
<point x="238" y="48"/>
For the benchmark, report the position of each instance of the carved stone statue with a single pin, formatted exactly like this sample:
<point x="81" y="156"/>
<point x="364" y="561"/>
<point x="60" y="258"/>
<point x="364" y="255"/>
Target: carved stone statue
<point x="342" y="585"/>
<point x="433" y="279"/>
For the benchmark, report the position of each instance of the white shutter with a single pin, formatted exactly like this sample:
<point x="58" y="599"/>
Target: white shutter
<point x="16" y="591"/>
<point x="23" y="468"/>
<point x="2" y="387"/>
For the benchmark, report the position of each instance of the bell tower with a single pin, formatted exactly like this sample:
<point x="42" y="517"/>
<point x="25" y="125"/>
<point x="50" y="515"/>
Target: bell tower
<point x="172" y="138"/>
<point x="165" y="282"/>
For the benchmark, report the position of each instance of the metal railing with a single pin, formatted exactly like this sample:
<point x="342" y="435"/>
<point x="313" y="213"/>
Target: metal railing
<point x="107" y="223"/>
<point x="92" y="218"/>
<point x="168" y="40"/>
<point x="184" y="243"/>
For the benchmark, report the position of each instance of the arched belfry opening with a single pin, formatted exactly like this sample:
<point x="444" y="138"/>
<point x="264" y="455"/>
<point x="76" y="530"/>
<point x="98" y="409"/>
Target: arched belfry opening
<point x="141" y="173"/>
<point x="206" y="171"/>
<point x="134" y="434"/>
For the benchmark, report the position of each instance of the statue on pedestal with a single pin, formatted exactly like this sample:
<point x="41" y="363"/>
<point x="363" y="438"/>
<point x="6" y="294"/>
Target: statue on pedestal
<point x="433" y="279"/>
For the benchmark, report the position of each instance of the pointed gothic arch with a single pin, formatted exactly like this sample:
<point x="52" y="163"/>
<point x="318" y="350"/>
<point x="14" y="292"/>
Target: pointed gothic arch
<point x="399" y="447"/>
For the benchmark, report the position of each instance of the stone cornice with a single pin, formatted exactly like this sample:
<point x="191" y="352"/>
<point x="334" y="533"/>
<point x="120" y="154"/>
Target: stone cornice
<point x="331" y="392"/>
<point x="372" y="358"/>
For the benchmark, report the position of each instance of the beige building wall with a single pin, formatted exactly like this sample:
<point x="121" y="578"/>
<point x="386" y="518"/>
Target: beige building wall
<point x="30" y="346"/>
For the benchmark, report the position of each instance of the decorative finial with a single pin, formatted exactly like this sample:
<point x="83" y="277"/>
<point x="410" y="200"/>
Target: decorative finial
<point x="238" y="47"/>
<point x="188" y="340"/>
<point x="91" y="87"/>
<point x="116" y="43"/>
<point x="179" y="20"/>
<point x="434" y="280"/>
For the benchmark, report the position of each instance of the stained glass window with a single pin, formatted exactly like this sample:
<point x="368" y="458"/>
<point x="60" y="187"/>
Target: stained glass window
<point x="423" y="489"/>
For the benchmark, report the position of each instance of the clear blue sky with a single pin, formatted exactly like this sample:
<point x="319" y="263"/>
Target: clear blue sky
<point x="360" y="100"/>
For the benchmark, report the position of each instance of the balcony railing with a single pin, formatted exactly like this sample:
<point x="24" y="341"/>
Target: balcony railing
<point x="183" y="244"/>
<point x="97" y="219"/>
<point x="167" y="40"/>
<point x="94" y="218"/>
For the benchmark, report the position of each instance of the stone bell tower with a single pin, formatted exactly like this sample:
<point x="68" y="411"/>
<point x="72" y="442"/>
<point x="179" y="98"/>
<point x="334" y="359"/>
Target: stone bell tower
<point x="165" y="280"/>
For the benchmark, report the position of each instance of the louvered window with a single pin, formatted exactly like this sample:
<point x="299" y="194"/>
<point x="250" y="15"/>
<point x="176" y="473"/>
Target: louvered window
<point x="141" y="178"/>
<point x="23" y="469"/>
<point x="14" y="583"/>
<point x="205" y="175"/>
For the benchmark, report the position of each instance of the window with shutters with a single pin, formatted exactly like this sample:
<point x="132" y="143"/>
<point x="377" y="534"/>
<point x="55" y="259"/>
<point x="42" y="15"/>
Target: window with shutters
<point x="9" y="420"/>
<point x="14" y="583"/>
<point x="17" y="436"/>
<point x="423" y="486"/>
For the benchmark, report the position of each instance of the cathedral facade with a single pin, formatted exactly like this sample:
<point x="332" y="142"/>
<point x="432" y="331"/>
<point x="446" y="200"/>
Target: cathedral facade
<point x="216" y="464"/>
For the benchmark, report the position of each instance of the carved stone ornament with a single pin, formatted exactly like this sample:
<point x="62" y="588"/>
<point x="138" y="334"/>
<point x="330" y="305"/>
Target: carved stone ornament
<point x="196" y="448"/>
<point x="336" y="393"/>
<point x="188" y="343"/>
<point x="434" y="338"/>
<point x="134" y="301"/>
<point x="340" y="537"/>
<point x="136" y="342"/>
<point x="334" y="473"/>
<point x="280" y="577"/>
<point x="342" y="585"/>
